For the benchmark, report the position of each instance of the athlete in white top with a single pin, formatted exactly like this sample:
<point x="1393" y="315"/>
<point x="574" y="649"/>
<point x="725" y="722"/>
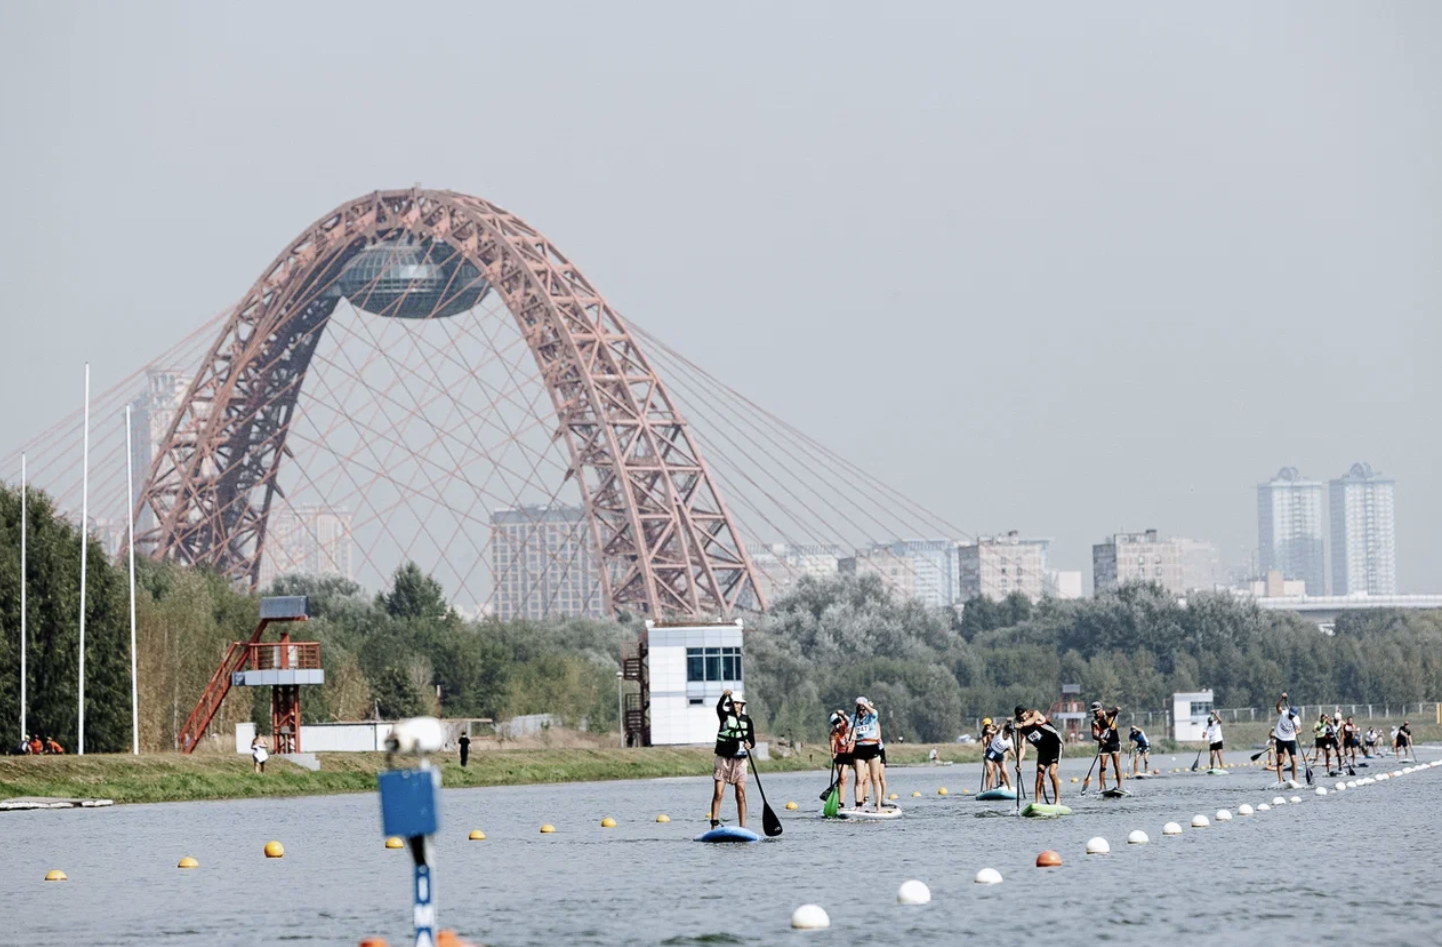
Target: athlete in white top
<point x="1214" y="742"/>
<point x="995" y="760"/>
<point x="1285" y="736"/>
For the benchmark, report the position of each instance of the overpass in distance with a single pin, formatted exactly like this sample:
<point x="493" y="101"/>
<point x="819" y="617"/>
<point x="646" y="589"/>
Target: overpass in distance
<point x="1324" y="610"/>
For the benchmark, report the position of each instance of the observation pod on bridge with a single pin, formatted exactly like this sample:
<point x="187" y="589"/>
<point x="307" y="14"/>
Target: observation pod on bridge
<point x="663" y="539"/>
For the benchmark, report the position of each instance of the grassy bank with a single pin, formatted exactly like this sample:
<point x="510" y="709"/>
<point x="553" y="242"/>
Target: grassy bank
<point x="171" y="777"/>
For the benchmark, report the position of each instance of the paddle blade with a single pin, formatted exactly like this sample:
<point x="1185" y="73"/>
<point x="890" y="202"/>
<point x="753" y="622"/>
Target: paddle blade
<point x="833" y="804"/>
<point x="828" y="792"/>
<point x="769" y="823"/>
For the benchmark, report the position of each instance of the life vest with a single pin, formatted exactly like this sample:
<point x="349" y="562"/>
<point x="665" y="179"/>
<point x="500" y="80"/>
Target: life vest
<point x="730" y="735"/>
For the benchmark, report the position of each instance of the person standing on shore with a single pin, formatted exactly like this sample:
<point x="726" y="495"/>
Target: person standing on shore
<point x="259" y="754"/>
<point x="465" y="744"/>
<point x="1284" y="735"/>
<point x="733" y="739"/>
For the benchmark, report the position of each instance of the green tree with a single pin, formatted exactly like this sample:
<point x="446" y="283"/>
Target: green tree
<point x="414" y="595"/>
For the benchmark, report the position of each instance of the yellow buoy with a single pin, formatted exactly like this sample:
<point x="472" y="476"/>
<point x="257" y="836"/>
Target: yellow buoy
<point x="274" y="850"/>
<point x="915" y="793"/>
<point x="941" y="791"/>
<point x="395" y="841"/>
<point x="56" y="875"/>
<point x="188" y="862"/>
<point x="893" y="796"/>
<point x="477" y="835"/>
<point x="547" y="829"/>
<point x="1073" y="779"/>
<point x="663" y="817"/>
<point x="792" y="806"/>
<point x="608" y="823"/>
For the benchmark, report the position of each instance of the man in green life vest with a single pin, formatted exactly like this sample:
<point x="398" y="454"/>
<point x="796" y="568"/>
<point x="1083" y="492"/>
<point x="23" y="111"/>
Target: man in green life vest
<point x="735" y="736"/>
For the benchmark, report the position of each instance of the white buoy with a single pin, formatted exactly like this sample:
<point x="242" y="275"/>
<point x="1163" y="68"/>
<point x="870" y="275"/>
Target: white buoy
<point x="1340" y="786"/>
<point x="1351" y="784"/>
<point x="1406" y="770"/>
<point x="1223" y="815"/>
<point x="913" y="892"/>
<point x="1263" y="807"/>
<point x="1171" y="828"/>
<point x="1321" y="790"/>
<point x="810" y="917"/>
<point x="1199" y="821"/>
<point x="1244" y="809"/>
<point x="1098" y="846"/>
<point x="988" y="876"/>
<point x="1138" y="837"/>
<point x="1295" y="799"/>
<point x="1278" y="801"/>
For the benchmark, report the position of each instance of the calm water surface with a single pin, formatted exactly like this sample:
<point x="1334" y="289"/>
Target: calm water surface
<point x="1360" y="866"/>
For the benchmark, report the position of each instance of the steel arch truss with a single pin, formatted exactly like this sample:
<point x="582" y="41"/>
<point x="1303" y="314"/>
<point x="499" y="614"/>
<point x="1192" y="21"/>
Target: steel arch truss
<point x="667" y="543"/>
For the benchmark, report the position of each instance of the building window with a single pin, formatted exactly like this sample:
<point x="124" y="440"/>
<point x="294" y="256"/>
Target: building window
<point x="713" y="664"/>
<point x="1200" y="708"/>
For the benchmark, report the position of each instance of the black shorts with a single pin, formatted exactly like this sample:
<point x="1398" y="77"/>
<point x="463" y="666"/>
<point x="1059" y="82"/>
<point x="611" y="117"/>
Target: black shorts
<point x="844" y="759"/>
<point x="1143" y="748"/>
<point x="1287" y="746"/>
<point x="1351" y="743"/>
<point x="1216" y="747"/>
<point x="866" y="751"/>
<point x="1112" y="746"/>
<point x="994" y="757"/>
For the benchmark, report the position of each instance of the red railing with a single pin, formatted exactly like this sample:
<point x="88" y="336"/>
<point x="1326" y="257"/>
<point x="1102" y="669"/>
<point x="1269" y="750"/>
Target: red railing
<point x="288" y="655"/>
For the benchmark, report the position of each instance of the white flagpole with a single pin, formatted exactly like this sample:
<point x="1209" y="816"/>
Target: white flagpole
<point x="130" y="529"/>
<point x="24" y="675"/>
<point x="84" y="548"/>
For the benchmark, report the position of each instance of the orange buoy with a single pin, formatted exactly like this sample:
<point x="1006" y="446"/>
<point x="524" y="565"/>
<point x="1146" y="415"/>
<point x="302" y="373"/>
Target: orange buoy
<point x="374" y="942"/>
<point x="1048" y="859"/>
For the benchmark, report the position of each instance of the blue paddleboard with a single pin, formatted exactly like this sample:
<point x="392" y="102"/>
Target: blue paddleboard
<point x="728" y="833"/>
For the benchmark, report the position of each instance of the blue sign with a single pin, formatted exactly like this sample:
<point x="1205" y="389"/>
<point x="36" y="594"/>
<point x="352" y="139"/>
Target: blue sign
<point x="410" y="801"/>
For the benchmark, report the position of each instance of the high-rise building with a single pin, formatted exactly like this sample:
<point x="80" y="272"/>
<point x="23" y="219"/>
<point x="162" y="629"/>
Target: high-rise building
<point x="1202" y="566"/>
<point x="1138" y="557"/>
<point x="922" y="568"/>
<point x="307" y="540"/>
<point x="779" y="566"/>
<point x="1364" y="533"/>
<point x="896" y="572"/>
<point x="543" y="565"/>
<point x="1289" y="529"/>
<point x="997" y="566"/>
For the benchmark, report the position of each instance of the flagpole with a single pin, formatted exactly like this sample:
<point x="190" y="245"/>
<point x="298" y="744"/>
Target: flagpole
<point x="130" y="530"/>
<point x="84" y="548"/>
<point x="24" y="675"/>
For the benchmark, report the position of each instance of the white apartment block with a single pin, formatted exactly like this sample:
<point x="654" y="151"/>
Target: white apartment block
<point x="542" y="564"/>
<point x="1138" y="557"/>
<point x="1364" y="533"/>
<point x="1289" y="529"/>
<point x="997" y="566"/>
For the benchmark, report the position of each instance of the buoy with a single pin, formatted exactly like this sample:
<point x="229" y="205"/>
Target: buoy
<point x="1263" y="807"/>
<point x="56" y="874"/>
<point x="893" y="796"/>
<point x="608" y="823"/>
<point x="1351" y="784"/>
<point x="915" y="793"/>
<point x="1200" y="821"/>
<point x="1098" y="846"/>
<point x="966" y="792"/>
<point x="791" y="806"/>
<point x="374" y="942"/>
<point x="395" y="841"/>
<point x="1278" y="801"/>
<point x="941" y="791"/>
<point x="188" y="862"/>
<point x="274" y="850"/>
<point x="1340" y="786"/>
<point x="913" y="892"/>
<point x="1223" y="815"/>
<point x="1138" y="837"/>
<point x="1073" y="779"/>
<point x="810" y="917"/>
<point x="1171" y="828"/>
<point x="1295" y="799"/>
<point x="988" y="876"/>
<point x="1406" y="770"/>
<point x="663" y="817"/>
<point x="1244" y="809"/>
<point x="1048" y="859"/>
<point x="477" y="835"/>
<point x="547" y="829"/>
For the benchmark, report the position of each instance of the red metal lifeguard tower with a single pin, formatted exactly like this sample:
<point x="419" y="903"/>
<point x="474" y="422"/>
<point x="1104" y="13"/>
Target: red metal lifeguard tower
<point x="284" y="666"/>
<point x="1069" y="714"/>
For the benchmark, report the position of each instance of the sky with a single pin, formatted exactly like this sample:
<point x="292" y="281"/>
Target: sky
<point x="1067" y="269"/>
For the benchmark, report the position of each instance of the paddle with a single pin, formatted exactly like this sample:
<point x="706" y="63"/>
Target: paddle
<point x="769" y="823"/>
<point x="1088" y="781"/>
<point x="833" y="798"/>
<point x="1197" y="762"/>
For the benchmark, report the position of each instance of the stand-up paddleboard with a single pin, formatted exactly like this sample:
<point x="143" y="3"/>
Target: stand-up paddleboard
<point x="1115" y="794"/>
<point x="728" y="833"/>
<point x="1219" y="772"/>
<point x="1000" y="792"/>
<point x="1146" y="776"/>
<point x="1041" y="810"/>
<point x="887" y="812"/>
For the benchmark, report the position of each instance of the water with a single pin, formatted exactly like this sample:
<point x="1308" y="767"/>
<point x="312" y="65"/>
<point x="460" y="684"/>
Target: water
<point x="1362" y="865"/>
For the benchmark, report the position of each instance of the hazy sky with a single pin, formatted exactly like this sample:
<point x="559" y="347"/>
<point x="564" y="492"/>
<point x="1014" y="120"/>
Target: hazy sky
<point x="1102" y="268"/>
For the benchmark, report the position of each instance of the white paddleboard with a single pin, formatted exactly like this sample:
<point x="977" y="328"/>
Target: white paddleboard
<point x="888" y="812"/>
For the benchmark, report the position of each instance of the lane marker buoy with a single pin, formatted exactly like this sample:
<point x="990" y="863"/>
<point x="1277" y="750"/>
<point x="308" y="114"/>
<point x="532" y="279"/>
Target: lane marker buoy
<point x="915" y="793"/>
<point x="1244" y="809"/>
<point x="55" y="874"/>
<point x="1200" y="821"/>
<point x="1223" y="815"/>
<point x="1048" y="859"/>
<point x="988" y="876"/>
<point x="477" y="836"/>
<point x="188" y="862"/>
<point x="941" y="791"/>
<point x="810" y="917"/>
<point x="1138" y="837"/>
<point x="913" y="892"/>
<point x="1098" y="846"/>
<point x="792" y="807"/>
<point x="1295" y="799"/>
<point x="1278" y="801"/>
<point x="663" y="817"/>
<point x="547" y="829"/>
<point x="395" y="841"/>
<point x="1171" y="828"/>
<point x="274" y="850"/>
<point x="608" y="823"/>
<point x="1263" y="807"/>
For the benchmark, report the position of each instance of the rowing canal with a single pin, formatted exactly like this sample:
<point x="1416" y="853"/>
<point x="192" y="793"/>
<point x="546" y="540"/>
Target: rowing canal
<point x="1359" y="866"/>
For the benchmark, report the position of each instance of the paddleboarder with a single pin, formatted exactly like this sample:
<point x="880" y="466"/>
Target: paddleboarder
<point x="1403" y="743"/>
<point x="1324" y="741"/>
<point x="841" y="755"/>
<point x="867" y="751"/>
<point x="1109" y="742"/>
<point x="1214" y="741"/>
<point x="1034" y="727"/>
<point x="1369" y="744"/>
<point x="1284" y="736"/>
<point x="1141" y="750"/>
<point x="994" y="762"/>
<point x="1351" y="740"/>
<point x="734" y="737"/>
